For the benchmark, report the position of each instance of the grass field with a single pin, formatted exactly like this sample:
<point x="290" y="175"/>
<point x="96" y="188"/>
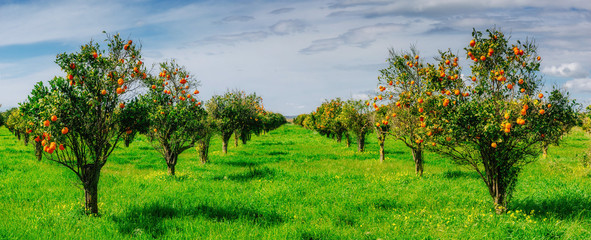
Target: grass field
<point x="292" y="184"/>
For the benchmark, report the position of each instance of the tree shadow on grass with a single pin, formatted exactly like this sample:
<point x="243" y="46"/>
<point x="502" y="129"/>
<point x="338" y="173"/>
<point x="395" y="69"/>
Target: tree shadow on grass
<point x="456" y="174"/>
<point x="251" y="174"/>
<point x="150" y="219"/>
<point x="572" y="206"/>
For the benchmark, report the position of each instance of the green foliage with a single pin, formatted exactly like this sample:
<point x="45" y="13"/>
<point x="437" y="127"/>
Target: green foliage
<point x="299" y="120"/>
<point x="586" y="119"/>
<point x="86" y="114"/>
<point x="325" y="120"/>
<point x="236" y="113"/>
<point x="356" y="117"/>
<point x="175" y="117"/>
<point x="497" y="130"/>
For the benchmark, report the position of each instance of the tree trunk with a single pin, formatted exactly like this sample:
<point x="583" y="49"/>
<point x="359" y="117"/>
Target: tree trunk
<point x="203" y="148"/>
<point x="171" y="169"/>
<point x="91" y="174"/>
<point x="544" y="150"/>
<point x="244" y="137"/>
<point x="361" y="142"/>
<point x="235" y="139"/>
<point x="171" y="159"/>
<point x="381" y="141"/>
<point x="348" y="139"/>
<point x="38" y="150"/>
<point x="500" y="202"/>
<point x="26" y="139"/>
<point x="417" y="155"/>
<point x="499" y="178"/>
<point x="225" y="139"/>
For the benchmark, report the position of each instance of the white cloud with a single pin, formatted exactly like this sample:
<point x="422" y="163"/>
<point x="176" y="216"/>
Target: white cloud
<point x="571" y="70"/>
<point x="288" y="26"/>
<point x="231" y="39"/>
<point x="360" y="96"/>
<point x="358" y="37"/>
<point x="579" y="85"/>
<point x="281" y="11"/>
<point x="235" y="19"/>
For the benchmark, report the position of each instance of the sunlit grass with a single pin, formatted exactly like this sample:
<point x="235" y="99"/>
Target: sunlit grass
<point x="292" y="184"/>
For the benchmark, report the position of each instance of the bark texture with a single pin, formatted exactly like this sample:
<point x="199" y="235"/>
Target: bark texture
<point x="417" y="155"/>
<point x="91" y="174"/>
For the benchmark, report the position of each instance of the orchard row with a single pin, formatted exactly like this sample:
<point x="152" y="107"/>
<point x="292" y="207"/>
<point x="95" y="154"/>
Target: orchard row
<point x="108" y="96"/>
<point x="494" y="119"/>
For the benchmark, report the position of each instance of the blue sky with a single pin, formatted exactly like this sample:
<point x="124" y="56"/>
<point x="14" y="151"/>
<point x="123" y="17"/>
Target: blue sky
<point x="294" y="54"/>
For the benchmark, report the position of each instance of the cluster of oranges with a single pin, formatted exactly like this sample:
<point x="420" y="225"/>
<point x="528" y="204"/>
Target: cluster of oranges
<point x="45" y="138"/>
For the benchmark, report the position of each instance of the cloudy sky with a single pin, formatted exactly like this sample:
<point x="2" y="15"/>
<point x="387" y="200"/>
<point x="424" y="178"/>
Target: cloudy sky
<point x="294" y="54"/>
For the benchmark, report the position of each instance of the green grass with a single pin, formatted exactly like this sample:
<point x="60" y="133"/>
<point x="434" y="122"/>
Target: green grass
<point x="292" y="184"/>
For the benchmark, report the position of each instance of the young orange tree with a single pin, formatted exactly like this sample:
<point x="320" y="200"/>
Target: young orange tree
<point x="498" y="129"/>
<point x="248" y="120"/>
<point x="235" y="113"/>
<point x="409" y="85"/>
<point x="380" y="119"/>
<point x="356" y="117"/>
<point x="14" y="123"/>
<point x="327" y="121"/>
<point x="175" y="115"/>
<point x="85" y="115"/>
<point x="559" y="111"/>
<point x="586" y="119"/>
<point x="31" y="110"/>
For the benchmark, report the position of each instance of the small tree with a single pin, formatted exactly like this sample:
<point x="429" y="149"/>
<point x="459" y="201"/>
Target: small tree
<point x="175" y="116"/>
<point x="249" y="111"/>
<point x="497" y="130"/>
<point x="559" y="113"/>
<point x="408" y="82"/>
<point x="356" y="117"/>
<point x="220" y="108"/>
<point x="85" y="115"/>
<point x="380" y="118"/>
<point x="235" y="113"/>
<point x="586" y="119"/>
<point x="31" y="110"/>
<point x="326" y="119"/>
<point x="206" y="133"/>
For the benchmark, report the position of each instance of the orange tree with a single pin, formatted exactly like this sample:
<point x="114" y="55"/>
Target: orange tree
<point x="13" y="123"/>
<point x="586" y="119"/>
<point x="356" y="117"/>
<point x="230" y="115"/>
<point x="327" y="121"/>
<point x="208" y="129"/>
<point x="271" y="120"/>
<point x="249" y="113"/>
<point x="299" y="120"/>
<point x="408" y="84"/>
<point x="31" y="110"/>
<point x="175" y="115"/>
<point x="86" y="114"/>
<point x="498" y="129"/>
<point x="380" y="119"/>
<point x="559" y="111"/>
